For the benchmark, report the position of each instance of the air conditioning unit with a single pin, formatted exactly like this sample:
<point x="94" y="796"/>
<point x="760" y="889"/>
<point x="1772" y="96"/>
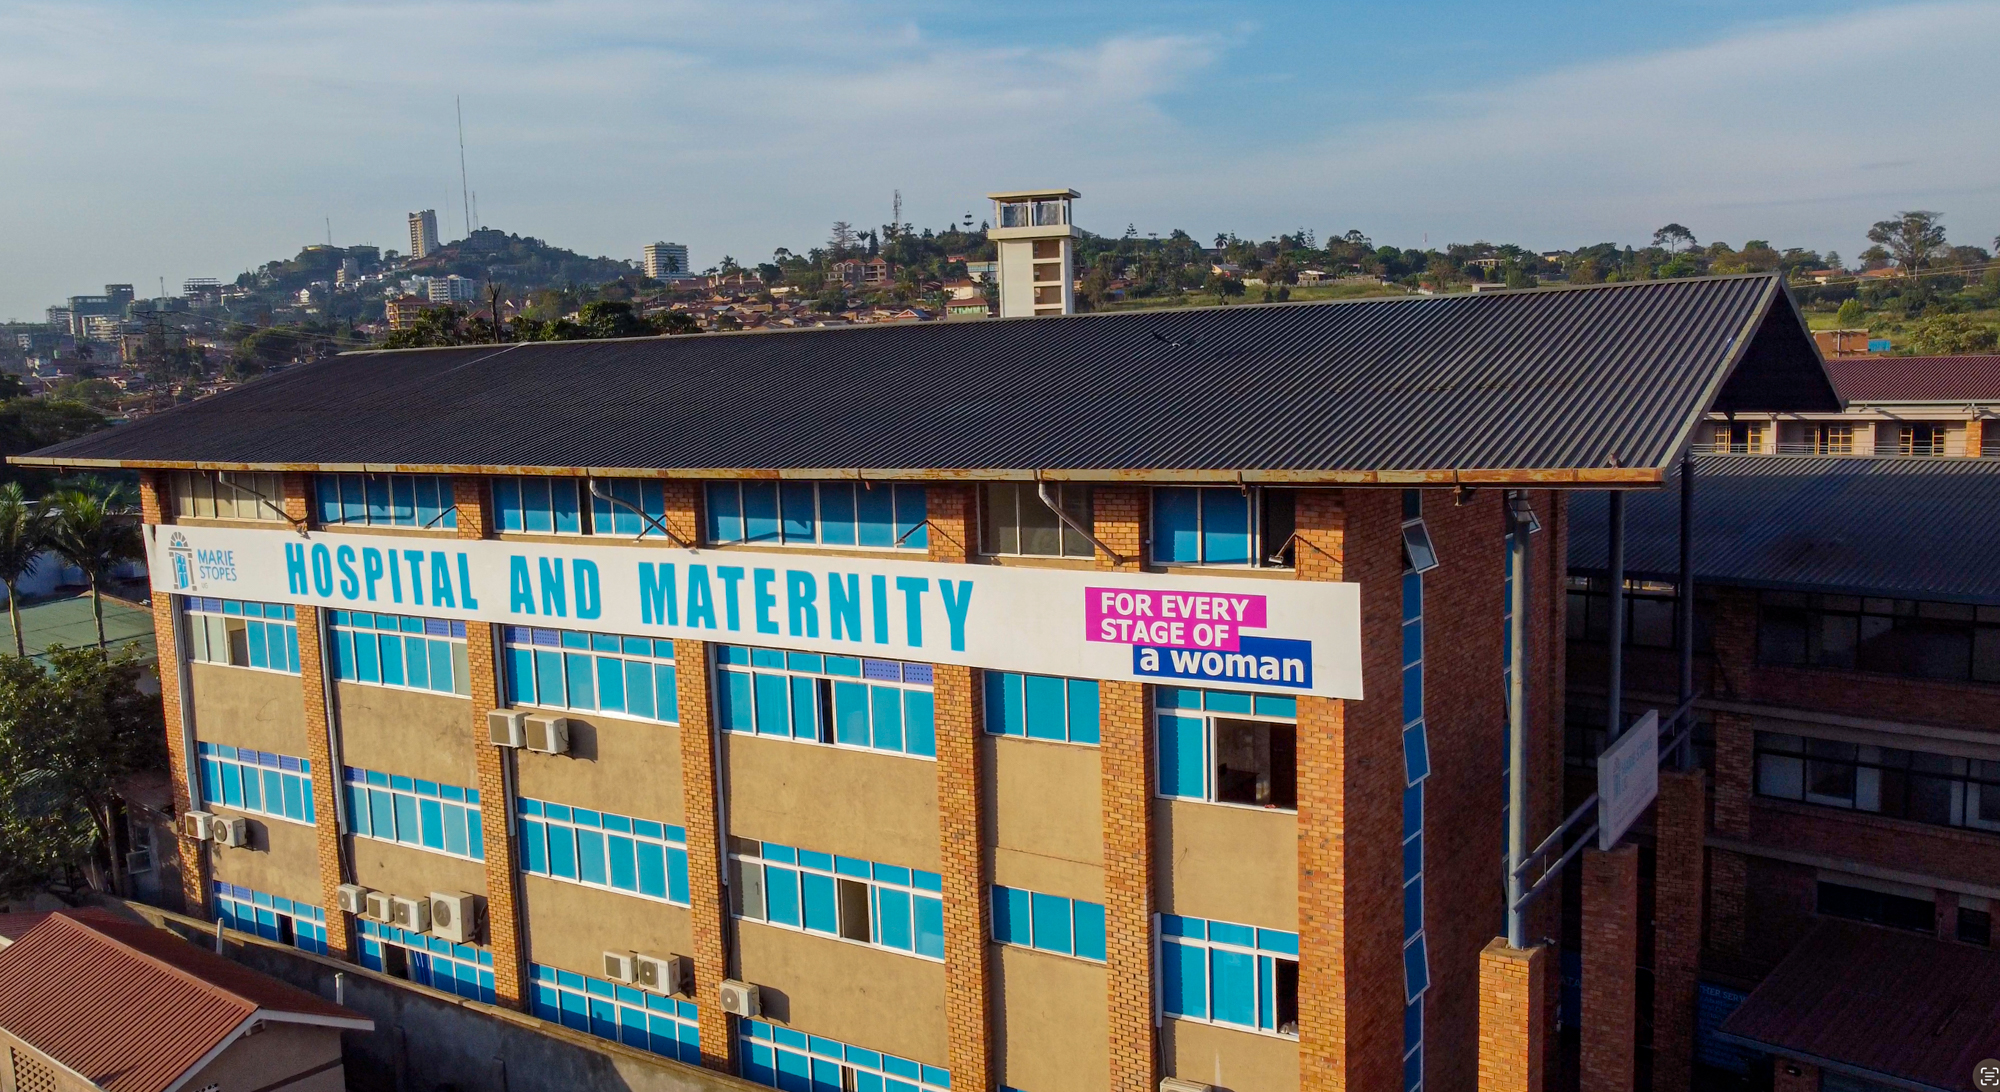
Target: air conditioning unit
<point x="234" y="833"/>
<point x="455" y="916"/>
<point x="506" y="728"/>
<point x="377" y="906"/>
<point x="411" y="914"/>
<point x="740" y="999"/>
<point x="657" y="975"/>
<point x="1175" y="1084"/>
<point x="618" y="966"/>
<point x="352" y="898"/>
<point x="194" y="824"/>
<point x="548" y="735"/>
<point x="139" y="861"/>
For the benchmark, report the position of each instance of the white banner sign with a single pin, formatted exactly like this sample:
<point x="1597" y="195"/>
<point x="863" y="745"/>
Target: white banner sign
<point x="1628" y="777"/>
<point x="1303" y="636"/>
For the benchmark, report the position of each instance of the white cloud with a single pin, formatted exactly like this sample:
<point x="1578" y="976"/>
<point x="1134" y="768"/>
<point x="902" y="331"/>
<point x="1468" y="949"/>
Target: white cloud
<point x="175" y="140"/>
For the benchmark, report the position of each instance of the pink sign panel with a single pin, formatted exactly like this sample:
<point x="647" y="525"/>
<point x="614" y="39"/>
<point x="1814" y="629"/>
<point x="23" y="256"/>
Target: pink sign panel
<point x="1170" y="619"/>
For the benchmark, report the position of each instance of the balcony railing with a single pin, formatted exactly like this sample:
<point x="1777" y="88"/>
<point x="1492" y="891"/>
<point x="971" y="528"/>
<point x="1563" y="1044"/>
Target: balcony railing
<point x="1824" y="452"/>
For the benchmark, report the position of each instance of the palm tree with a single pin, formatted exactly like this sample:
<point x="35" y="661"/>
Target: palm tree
<point x="24" y="534"/>
<point x="95" y="533"/>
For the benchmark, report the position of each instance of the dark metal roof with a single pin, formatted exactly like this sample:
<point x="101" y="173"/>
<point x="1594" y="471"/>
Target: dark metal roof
<point x="1879" y="1003"/>
<point x="1870" y="379"/>
<point x="1917" y="528"/>
<point x="1567" y="382"/>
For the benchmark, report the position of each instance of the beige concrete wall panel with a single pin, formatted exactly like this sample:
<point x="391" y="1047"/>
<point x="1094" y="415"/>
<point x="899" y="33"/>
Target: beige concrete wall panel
<point x="1231" y="1060"/>
<point x="271" y="1057"/>
<point x="1053" y="1026"/>
<point x="571" y="926"/>
<point x="400" y="870"/>
<point x="1046" y="798"/>
<point x="1229" y="864"/>
<point x="407" y="732"/>
<point x="1049" y="875"/>
<point x="627" y="766"/>
<point x="875" y="806"/>
<point x="243" y="707"/>
<point x="282" y="858"/>
<point x="865" y="996"/>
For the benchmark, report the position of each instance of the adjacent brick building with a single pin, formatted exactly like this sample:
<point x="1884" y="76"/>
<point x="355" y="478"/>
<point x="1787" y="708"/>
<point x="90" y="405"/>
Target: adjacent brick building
<point x="1058" y="704"/>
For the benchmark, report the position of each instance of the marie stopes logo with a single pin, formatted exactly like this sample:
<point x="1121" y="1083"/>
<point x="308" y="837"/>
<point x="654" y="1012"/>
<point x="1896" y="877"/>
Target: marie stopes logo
<point x="181" y="555"/>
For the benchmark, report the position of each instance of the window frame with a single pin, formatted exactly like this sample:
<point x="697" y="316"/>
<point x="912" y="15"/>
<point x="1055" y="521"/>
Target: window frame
<point x="1209" y="715"/>
<point x="747" y="674"/>
<point x="207" y="618"/>
<point x="549" y="987"/>
<point x="395" y="486"/>
<point x="1069" y="544"/>
<point x="1078" y="920"/>
<point x="375" y="936"/>
<point x="191" y="489"/>
<point x="1174" y="930"/>
<point x="1259" y="514"/>
<point x="397" y="787"/>
<point x="244" y="910"/>
<point x="828" y="1063"/>
<point x="1886" y="780"/>
<point x="564" y="650"/>
<point x="751" y="863"/>
<point x="215" y="783"/>
<point x="1003" y="693"/>
<point x="1873" y="619"/>
<point x="722" y="501"/>
<point x="671" y="840"/>
<point x="343" y="624"/>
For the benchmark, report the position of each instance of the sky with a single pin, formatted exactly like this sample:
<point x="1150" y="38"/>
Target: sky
<point x="141" y="141"/>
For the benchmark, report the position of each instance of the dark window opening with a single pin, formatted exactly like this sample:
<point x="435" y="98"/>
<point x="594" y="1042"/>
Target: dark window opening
<point x="395" y="962"/>
<point x="1877" y="907"/>
<point x="1288" y="997"/>
<point x="1256" y="762"/>
<point x="1946" y="641"/>
<point x="854" y="910"/>
<point x="1975" y="926"/>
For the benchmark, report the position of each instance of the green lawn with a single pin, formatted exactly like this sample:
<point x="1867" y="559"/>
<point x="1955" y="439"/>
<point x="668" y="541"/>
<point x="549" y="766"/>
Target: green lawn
<point x="68" y="622"/>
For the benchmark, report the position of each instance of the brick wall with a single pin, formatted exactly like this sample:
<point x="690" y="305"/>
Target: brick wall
<point x="155" y="509"/>
<point x="1680" y="823"/>
<point x="503" y="897"/>
<point x="707" y="896"/>
<point x="1610" y="963"/>
<point x="968" y="1005"/>
<point x="1513" y="1017"/>
<point x="1125" y="753"/>
<point x="1549" y="648"/>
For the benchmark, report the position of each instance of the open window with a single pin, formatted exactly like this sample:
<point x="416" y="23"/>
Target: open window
<point x="1256" y="763"/>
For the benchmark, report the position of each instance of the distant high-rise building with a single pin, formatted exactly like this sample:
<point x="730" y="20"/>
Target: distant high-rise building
<point x="452" y="289"/>
<point x="121" y="295"/>
<point x="423" y="233"/>
<point x="666" y="261"/>
<point x="1037" y="251"/>
<point x="201" y="286"/>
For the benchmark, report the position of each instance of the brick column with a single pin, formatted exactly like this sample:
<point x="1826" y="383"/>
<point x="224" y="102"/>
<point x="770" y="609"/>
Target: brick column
<point x="496" y="811"/>
<point x="326" y="779"/>
<point x="1788" y="1075"/>
<point x="1975" y="434"/>
<point x="191" y="854"/>
<point x="1125" y="782"/>
<point x="968" y="1006"/>
<point x="1680" y="821"/>
<point x="1728" y="872"/>
<point x="708" y="898"/>
<point x="1610" y="969"/>
<point x="1513" y="1017"/>
<point x="1320" y="554"/>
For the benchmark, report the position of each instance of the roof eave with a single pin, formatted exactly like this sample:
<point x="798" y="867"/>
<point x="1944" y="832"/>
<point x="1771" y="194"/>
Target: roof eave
<point x="1536" y="477"/>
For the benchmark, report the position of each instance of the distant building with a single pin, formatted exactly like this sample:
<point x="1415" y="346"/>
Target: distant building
<point x="453" y="289"/>
<point x="968" y="307"/>
<point x="861" y="272"/>
<point x="125" y="1005"/>
<point x="403" y="311"/>
<point x="350" y="272"/>
<point x="666" y="261"/>
<point x="982" y="271"/>
<point x="1037" y="251"/>
<point x="423" y="233"/>
<point x="102" y="327"/>
<point x="1839" y="343"/>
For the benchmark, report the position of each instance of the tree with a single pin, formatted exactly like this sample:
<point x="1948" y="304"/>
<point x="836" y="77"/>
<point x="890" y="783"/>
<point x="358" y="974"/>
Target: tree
<point x="24" y="534"/>
<point x="1222" y="287"/>
<point x="70" y="734"/>
<point x="1850" y="313"/>
<point x="1674" y="237"/>
<point x="94" y="533"/>
<point x="1914" y="239"/>
<point x="1946" y="335"/>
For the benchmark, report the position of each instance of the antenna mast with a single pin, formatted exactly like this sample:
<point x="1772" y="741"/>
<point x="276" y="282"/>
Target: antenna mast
<point x="464" y="200"/>
<point x="896" y="215"/>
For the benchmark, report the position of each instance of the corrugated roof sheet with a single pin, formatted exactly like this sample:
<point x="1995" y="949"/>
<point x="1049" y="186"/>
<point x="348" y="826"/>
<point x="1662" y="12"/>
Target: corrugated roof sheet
<point x="1916" y="528"/>
<point x="133" y="1007"/>
<point x="1882" y="1002"/>
<point x="1565" y="379"/>
<point x="1916" y="378"/>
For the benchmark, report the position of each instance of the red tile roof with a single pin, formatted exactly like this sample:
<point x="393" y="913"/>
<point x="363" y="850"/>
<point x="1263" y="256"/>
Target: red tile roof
<point x="1873" y="1000"/>
<point x="1916" y="378"/>
<point x="133" y="1007"/>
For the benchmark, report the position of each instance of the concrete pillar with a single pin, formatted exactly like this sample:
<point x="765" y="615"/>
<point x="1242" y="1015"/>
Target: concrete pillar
<point x="968" y="1007"/>
<point x="1513" y="1017"/>
<point x="1125" y="755"/>
<point x="1680" y="823"/>
<point x="156" y="507"/>
<point x="1610" y="969"/>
